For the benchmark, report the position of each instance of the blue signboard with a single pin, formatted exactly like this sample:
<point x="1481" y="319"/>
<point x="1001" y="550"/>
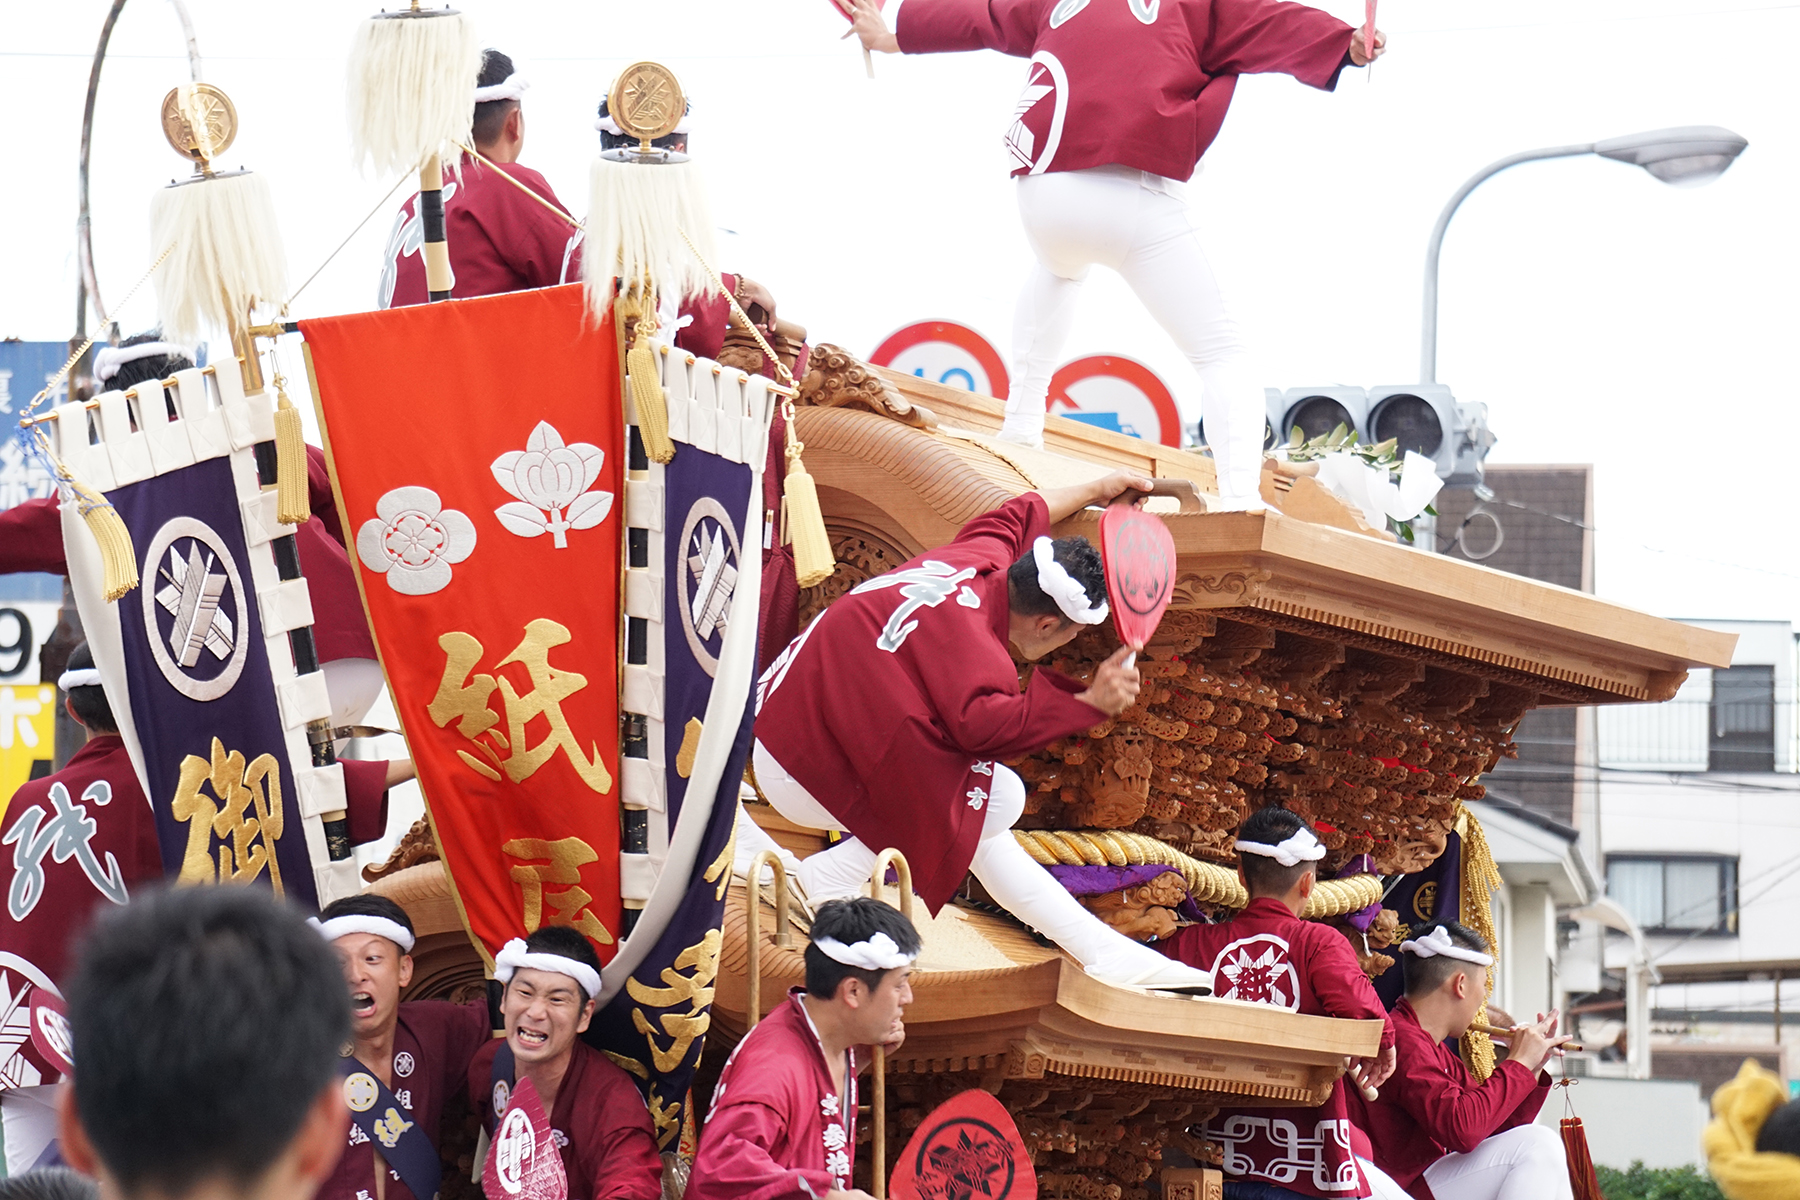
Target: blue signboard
<point x="24" y="369"/>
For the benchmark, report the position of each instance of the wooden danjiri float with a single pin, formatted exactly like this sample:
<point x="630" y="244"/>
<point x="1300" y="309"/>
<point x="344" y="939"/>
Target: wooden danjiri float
<point x="1306" y="660"/>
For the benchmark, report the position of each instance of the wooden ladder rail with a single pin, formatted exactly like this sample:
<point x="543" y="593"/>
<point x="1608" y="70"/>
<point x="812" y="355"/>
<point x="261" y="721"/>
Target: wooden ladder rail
<point x="878" y="1101"/>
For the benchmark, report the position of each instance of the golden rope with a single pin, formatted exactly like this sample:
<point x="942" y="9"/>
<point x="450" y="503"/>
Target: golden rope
<point x="1209" y="883"/>
<point x="1480" y="876"/>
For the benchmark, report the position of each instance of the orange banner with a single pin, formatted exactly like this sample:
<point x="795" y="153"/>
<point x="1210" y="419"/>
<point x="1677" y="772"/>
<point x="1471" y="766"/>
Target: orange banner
<point x="477" y="448"/>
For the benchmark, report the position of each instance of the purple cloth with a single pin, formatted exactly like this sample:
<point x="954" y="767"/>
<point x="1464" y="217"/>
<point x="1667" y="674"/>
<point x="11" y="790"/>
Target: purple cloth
<point x="1098" y="881"/>
<point x="1362" y="864"/>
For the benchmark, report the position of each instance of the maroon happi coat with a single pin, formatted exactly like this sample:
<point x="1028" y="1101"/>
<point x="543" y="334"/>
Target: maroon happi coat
<point x="73" y="841"/>
<point x="894" y="705"/>
<point x="778" y="1128"/>
<point x="1433" y="1106"/>
<point x="502" y="240"/>
<point x="1267" y="955"/>
<point x="1142" y="83"/>
<point x="599" y="1123"/>
<point x="433" y="1044"/>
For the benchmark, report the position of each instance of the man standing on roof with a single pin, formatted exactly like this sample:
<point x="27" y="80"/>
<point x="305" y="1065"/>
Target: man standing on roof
<point x="1121" y="99"/>
<point x="597" y="1116"/>
<point x="501" y="238"/>
<point x="404" y="1060"/>
<point x="782" y="1125"/>
<point x="508" y="235"/>
<point x="892" y="715"/>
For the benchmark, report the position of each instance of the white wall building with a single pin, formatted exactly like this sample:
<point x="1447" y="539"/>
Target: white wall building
<point x="1699" y="836"/>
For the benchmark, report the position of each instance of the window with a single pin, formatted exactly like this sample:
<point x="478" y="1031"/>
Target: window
<point x="1743" y="720"/>
<point x="1681" y="894"/>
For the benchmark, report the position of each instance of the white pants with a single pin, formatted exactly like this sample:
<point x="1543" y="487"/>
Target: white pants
<point x="1137" y="224"/>
<point x="1009" y="874"/>
<point x="1526" y="1163"/>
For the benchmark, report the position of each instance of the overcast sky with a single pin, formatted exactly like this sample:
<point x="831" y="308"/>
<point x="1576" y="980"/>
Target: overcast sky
<point x="1603" y="317"/>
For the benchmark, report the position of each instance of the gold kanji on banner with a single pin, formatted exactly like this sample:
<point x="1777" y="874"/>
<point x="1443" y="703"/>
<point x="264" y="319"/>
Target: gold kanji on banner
<point x="463" y="697"/>
<point x="244" y="811"/>
<point x="551" y="871"/>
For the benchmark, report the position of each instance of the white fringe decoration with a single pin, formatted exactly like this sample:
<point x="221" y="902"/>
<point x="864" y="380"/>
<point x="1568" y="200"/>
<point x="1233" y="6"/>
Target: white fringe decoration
<point x="637" y="213"/>
<point x="411" y="89"/>
<point x="227" y="259"/>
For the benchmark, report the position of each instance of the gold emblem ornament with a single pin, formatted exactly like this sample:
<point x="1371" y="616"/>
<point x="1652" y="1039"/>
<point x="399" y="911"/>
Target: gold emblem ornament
<point x="646" y="101"/>
<point x="1425" y="901"/>
<point x="361" y="1091"/>
<point x="200" y="121"/>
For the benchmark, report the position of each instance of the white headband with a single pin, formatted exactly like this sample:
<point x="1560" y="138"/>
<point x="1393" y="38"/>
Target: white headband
<point x="108" y="359"/>
<point x="513" y="955"/>
<point x="1062" y="587"/>
<point x="878" y="952"/>
<point x="1302" y="847"/>
<point x="351" y="923"/>
<point x="1438" y="942"/>
<point x="85" y="677"/>
<point x="510" y="88"/>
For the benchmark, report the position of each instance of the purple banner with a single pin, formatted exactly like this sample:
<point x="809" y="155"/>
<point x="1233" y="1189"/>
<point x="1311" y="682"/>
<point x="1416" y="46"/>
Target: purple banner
<point x="706" y="497"/>
<point x="202" y="696"/>
<point x="1420" y="899"/>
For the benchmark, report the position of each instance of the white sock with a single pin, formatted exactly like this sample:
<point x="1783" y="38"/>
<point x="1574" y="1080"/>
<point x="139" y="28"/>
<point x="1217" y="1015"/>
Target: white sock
<point x="1032" y="894"/>
<point x="833" y="874"/>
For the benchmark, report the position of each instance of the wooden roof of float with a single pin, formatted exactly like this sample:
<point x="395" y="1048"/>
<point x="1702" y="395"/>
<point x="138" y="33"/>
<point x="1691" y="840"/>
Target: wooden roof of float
<point x="914" y="487"/>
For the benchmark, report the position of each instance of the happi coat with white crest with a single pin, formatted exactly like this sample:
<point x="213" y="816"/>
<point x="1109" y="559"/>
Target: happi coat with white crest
<point x="778" y="1128"/>
<point x="1267" y="955"/>
<point x="1139" y="83"/>
<point x="893" y="707"/>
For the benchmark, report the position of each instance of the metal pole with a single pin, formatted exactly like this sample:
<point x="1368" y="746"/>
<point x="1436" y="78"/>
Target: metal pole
<point x="1428" y="321"/>
<point x="87" y="287"/>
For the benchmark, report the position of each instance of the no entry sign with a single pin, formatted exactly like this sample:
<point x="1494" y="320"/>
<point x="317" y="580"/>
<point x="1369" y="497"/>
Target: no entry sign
<point x="1104" y="388"/>
<point x="945" y="352"/>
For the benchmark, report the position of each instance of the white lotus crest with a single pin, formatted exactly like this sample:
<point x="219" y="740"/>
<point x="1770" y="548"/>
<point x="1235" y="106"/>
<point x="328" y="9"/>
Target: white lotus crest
<point x="414" y="539"/>
<point x="551" y="481"/>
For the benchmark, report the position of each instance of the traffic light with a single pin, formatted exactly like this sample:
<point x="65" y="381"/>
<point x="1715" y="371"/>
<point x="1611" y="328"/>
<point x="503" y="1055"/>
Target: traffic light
<point x="1318" y="410"/>
<point x="1427" y="419"/>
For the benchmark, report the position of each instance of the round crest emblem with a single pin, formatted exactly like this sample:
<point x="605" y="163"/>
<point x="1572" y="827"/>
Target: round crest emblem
<point x="709" y="571"/>
<point x="403" y="1063"/>
<point x="196" y="616"/>
<point x="1424" y="901"/>
<point x="646" y="101"/>
<point x="964" y="1159"/>
<point x="502" y="1096"/>
<point x="513" y="1150"/>
<point x="1257" y="969"/>
<point x="361" y="1091"/>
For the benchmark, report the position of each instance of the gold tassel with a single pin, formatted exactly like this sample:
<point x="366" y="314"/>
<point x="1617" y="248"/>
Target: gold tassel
<point x="293" y="504"/>
<point x="652" y="405"/>
<point x="1480" y="876"/>
<point x="117" y="556"/>
<point x="637" y="308"/>
<point x="813" y="559"/>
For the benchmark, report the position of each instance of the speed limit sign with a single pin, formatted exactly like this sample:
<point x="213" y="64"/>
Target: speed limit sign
<point x="945" y="352"/>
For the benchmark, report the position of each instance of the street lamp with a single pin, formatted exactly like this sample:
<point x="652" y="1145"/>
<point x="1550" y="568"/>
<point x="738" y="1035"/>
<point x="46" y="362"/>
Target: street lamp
<point x="1685" y="157"/>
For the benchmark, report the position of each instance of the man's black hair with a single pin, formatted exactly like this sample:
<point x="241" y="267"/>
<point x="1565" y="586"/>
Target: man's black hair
<point x="89" y="702"/>
<point x="1077" y="556"/>
<point x="367" y="904"/>
<point x="1271" y="825"/>
<point x="1425" y="975"/>
<point x="138" y="370"/>
<point x="49" y="1183"/>
<point x="1780" y="1134"/>
<point x="852" y="921"/>
<point x="560" y="939"/>
<point x="209" y="1021"/>
<point x="490" y="115"/>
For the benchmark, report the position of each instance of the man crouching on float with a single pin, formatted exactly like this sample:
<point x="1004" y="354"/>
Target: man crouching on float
<point x="890" y="717"/>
